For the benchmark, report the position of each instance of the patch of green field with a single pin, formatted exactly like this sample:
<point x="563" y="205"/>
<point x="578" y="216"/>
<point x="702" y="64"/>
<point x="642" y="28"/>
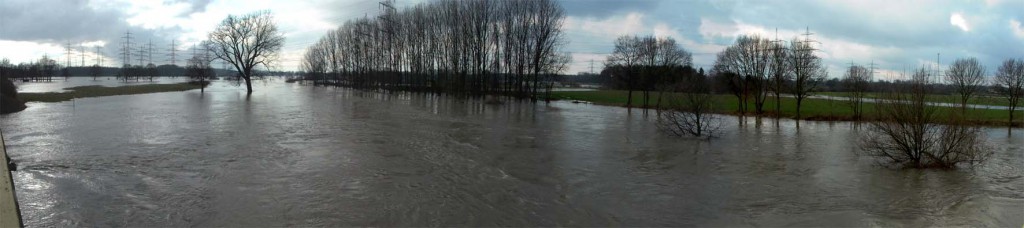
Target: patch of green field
<point x="812" y="109"/>
<point x="99" y="91"/>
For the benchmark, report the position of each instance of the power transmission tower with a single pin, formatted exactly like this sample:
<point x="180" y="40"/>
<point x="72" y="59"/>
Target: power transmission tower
<point x="804" y="52"/>
<point x="67" y="54"/>
<point x="99" y="59"/>
<point x="938" y="66"/>
<point x="592" y="66"/>
<point x="81" y="51"/>
<point x="126" y="50"/>
<point x="872" y="73"/>
<point x="173" y="51"/>
<point x="142" y="55"/>
<point x="150" y="52"/>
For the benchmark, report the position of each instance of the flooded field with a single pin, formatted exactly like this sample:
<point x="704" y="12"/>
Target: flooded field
<point x="299" y="155"/>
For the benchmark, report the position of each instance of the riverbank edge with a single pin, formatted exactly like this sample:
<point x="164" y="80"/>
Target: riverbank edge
<point x="823" y="118"/>
<point x="102" y="91"/>
<point x="10" y="212"/>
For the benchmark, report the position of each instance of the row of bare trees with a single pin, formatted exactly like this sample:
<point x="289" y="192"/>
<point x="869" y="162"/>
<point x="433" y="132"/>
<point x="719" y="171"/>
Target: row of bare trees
<point x="138" y="72"/>
<point x="462" y="47"/>
<point x="966" y="77"/>
<point x="755" y="67"/>
<point x="645" y="64"/>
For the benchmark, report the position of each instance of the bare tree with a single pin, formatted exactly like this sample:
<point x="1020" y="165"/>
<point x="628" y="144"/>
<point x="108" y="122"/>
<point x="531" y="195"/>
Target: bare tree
<point x="907" y="133"/>
<point x="856" y="82"/>
<point x="689" y="110"/>
<point x="780" y="72"/>
<point x="246" y="42"/>
<point x="749" y="58"/>
<point x="967" y="76"/>
<point x="151" y="71"/>
<point x="95" y="71"/>
<point x="1009" y="82"/>
<point x="625" y="58"/>
<point x="199" y="71"/>
<point x="808" y="71"/>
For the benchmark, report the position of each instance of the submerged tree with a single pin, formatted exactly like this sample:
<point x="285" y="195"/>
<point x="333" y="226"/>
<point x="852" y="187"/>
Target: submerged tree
<point x="781" y="73"/>
<point x="246" y="42"/>
<point x="750" y="59"/>
<point x="908" y="133"/>
<point x="688" y="111"/>
<point x="447" y="46"/>
<point x="646" y="63"/>
<point x="199" y="71"/>
<point x="808" y="72"/>
<point x="967" y="76"/>
<point x="857" y="81"/>
<point x="624" y="60"/>
<point x="1009" y="82"/>
<point x="95" y="71"/>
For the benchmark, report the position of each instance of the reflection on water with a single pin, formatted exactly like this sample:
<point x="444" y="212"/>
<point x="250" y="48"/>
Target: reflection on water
<point x="294" y="155"/>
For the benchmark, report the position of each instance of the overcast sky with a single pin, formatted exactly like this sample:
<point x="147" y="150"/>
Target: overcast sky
<point x="894" y="34"/>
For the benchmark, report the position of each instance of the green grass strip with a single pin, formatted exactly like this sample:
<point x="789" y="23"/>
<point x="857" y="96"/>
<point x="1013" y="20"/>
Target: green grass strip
<point x="100" y="91"/>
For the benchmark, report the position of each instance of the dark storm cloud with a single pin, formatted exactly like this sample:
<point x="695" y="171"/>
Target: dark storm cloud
<point x="58" y="20"/>
<point x="61" y="21"/>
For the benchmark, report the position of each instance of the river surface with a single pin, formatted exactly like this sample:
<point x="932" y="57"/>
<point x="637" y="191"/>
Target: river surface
<point x="299" y="155"/>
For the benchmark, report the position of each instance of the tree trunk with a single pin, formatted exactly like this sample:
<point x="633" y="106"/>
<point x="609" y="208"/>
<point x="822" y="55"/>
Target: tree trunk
<point x="248" y="85"/>
<point x="629" y="99"/>
<point x="799" y="101"/>
<point x="1012" y="110"/>
<point x="778" y="106"/>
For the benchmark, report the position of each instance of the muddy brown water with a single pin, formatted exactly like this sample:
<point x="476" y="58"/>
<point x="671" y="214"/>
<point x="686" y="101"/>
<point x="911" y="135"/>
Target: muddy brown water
<point x="297" y="155"/>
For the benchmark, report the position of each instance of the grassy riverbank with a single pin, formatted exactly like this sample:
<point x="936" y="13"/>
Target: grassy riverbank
<point x="813" y="109"/>
<point x="100" y="91"/>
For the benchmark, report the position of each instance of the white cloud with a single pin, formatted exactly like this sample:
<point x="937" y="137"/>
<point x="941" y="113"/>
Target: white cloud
<point x="710" y="29"/>
<point x="958" y="20"/>
<point x="581" y="62"/>
<point x="95" y="43"/>
<point x="628" y="24"/>
<point x="662" y="30"/>
<point x="1017" y="28"/>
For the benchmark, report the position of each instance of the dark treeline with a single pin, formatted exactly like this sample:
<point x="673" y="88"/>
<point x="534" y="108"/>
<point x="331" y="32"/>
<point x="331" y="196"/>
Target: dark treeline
<point x="44" y="69"/>
<point x="459" y="47"/>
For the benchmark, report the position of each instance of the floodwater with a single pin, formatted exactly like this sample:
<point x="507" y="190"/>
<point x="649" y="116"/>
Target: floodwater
<point x="299" y="155"/>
